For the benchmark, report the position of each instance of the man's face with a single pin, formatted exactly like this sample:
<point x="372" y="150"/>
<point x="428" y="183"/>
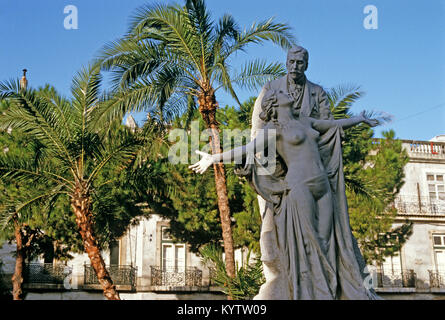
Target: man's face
<point x="296" y="65"/>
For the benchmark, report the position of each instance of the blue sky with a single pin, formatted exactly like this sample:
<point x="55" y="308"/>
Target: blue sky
<point x="400" y="65"/>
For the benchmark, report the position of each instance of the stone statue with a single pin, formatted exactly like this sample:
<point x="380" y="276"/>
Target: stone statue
<point x="307" y="247"/>
<point x="311" y="98"/>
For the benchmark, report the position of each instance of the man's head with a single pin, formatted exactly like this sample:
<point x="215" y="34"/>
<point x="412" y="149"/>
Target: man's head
<point x="297" y="62"/>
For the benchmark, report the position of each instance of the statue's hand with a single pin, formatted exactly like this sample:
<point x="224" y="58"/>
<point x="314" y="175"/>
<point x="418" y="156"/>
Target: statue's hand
<point x="202" y="165"/>
<point x="270" y="98"/>
<point x="370" y="122"/>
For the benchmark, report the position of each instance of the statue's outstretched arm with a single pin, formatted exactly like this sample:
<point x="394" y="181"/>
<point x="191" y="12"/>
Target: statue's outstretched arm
<point x="258" y="144"/>
<point x="325" y="125"/>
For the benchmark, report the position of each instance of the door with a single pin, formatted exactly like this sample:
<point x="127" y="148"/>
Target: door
<point x="440" y="261"/>
<point x="173" y="257"/>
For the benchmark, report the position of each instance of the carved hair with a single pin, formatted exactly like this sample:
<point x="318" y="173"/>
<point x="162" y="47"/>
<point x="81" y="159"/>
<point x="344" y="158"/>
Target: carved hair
<point x="268" y="106"/>
<point x="297" y="50"/>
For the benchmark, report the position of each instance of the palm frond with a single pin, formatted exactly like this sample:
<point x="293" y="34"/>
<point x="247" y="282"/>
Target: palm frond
<point x="168" y="39"/>
<point x="20" y="169"/>
<point x="267" y="30"/>
<point x="36" y="117"/>
<point x="130" y="60"/>
<point x="16" y="206"/>
<point x="120" y="148"/>
<point x="138" y="97"/>
<point x="175" y="27"/>
<point x="85" y="89"/>
<point x="61" y="106"/>
<point x="201" y="22"/>
<point x="222" y="76"/>
<point x="254" y="74"/>
<point x="358" y="187"/>
<point x="226" y="33"/>
<point x="341" y="98"/>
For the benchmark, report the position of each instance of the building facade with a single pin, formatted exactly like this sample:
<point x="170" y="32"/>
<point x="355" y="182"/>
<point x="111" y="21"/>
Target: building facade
<point x="419" y="268"/>
<point x="144" y="264"/>
<point x="147" y="264"/>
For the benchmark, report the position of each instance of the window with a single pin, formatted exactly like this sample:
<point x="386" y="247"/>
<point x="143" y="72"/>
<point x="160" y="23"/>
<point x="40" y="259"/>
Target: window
<point x="392" y="265"/>
<point x="436" y="186"/>
<point x="173" y="254"/>
<point x="439" y="240"/>
<point x="165" y="234"/>
<point x="114" y="253"/>
<point x="439" y="251"/>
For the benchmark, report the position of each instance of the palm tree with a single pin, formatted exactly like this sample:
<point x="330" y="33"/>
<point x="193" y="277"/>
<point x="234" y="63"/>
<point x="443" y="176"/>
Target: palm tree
<point x="18" y="228"/>
<point x="25" y="238"/>
<point x="357" y="138"/>
<point x="175" y="57"/>
<point x="341" y="99"/>
<point x="77" y="149"/>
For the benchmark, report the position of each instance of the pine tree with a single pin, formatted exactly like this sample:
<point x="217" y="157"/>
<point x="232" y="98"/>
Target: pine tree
<point x="193" y="210"/>
<point x="373" y="170"/>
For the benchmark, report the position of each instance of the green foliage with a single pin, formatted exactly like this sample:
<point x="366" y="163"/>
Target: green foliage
<point x="247" y="228"/>
<point x="172" y="52"/>
<point x="194" y="218"/>
<point x="33" y="220"/>
<point x="373" y="170"/>
<point x="372" y="217"/>
<point x="57" y="145"/>
<point x="172" y="57"/>
<point x="247" y="281"/>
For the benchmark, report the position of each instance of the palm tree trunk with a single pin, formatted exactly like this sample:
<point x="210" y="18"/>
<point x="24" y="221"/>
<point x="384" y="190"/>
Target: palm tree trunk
<point x="17" y="277"/>
<point x="207" y="107"/>
<point x="82" y="209"/>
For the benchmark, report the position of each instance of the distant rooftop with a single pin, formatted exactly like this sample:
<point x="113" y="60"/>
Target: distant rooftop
<point x="439" y="138"/>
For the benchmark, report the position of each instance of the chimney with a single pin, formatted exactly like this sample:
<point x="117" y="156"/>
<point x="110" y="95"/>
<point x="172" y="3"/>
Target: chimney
<point x="24" y="81"/>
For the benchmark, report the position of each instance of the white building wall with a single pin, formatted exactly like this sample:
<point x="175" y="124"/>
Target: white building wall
<point x="418" y="253"/>
<point x="415" y="173"/>
<point x="7" y="257"/>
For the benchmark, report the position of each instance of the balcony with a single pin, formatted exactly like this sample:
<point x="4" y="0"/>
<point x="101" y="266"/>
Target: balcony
<point x="124" y="277"/>
<point x="437" y="279"/>
<point x="419" y="206"/>
<point x="46" y="275"/>
<point x="176" y="277"/>
<point x="396" y="279"/>
<point x="426" y="150"/>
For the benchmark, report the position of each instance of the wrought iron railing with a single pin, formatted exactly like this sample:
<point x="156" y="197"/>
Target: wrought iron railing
<point x="45" y="273"/>
<point x="437" y="279"/>
<point x="212" y="276"/>
<point x="414" y="205"/>
<point x="121" y="275"/>
<point x="399" y="278"/>
<point x="176" y="277"/>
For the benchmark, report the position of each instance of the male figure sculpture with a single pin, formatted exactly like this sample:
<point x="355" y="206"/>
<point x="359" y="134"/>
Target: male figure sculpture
<point x="312" y="101"/>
